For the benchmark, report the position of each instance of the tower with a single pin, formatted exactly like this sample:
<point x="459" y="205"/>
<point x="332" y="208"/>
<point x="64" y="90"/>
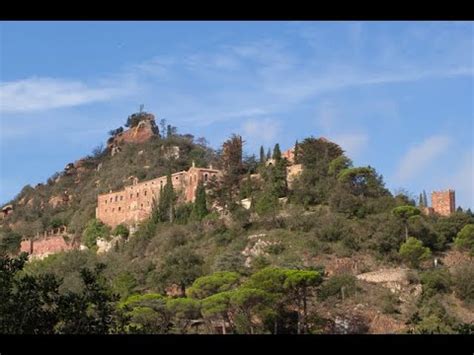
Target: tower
<point x="443" y="202"/>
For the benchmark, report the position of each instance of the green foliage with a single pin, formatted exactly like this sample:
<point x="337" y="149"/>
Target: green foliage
<point x="413" y="252"/>
<point x="200" y="208"/>
<point x="9" y="241"/>
<point x="167" y="202"/>
<point x="217" y="282"/>
<point x="183" y="311"/>
<point x="405" y="212"/>
<point x="337" y="285"/>
<point x="182" y="266"/>
<point x="124" y="284"/>
<point x="94" y="229"/>
<point x="435" y="281"/>
<point x="337" y="165"/>
<point x="463" y="281"/>
<point x="451" y="225"/>
<point x="465" y="239"/>
<point x="267" y="204"/>
<point x="121" y="230"/>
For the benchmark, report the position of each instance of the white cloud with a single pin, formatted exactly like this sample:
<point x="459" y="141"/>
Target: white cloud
<point x="353" y="143"/>
<point x="421" y="156"/>
<point x="261" y="131"/>
<point x="34" y="94"/>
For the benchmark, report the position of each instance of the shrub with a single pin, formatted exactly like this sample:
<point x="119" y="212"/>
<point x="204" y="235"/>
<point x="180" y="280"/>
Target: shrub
<point x="333" y="287"/>
<point x="95" y="229"/>
<point x="436" y="281"/>
<point x="465" y="239"/>
<point x="413" y="252"/>
<point x="121" y="230"/>
<point x="463" y="281"/>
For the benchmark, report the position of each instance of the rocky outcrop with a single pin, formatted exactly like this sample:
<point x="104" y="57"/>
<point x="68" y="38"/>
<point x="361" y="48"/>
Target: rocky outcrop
<point x="256" y="247"/>
<point x="56" y="201"/>
<point x="142" y="132"/>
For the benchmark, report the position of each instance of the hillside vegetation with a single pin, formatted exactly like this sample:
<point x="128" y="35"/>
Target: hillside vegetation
<point x="289" y="264"/>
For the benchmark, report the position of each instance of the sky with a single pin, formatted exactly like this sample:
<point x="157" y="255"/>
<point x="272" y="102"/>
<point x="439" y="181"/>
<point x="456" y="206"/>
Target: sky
<point x="398" y="96"/>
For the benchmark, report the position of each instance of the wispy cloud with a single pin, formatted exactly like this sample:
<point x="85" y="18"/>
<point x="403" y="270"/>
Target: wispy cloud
<point x="43" y="93"/>
<point x="261" y="131"/>
<point x="420" y="156"/>
<point x="353" y="143"/>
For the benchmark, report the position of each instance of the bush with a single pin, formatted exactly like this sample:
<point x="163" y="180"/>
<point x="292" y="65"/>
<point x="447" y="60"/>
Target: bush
<point x="463" y="281"/>
<point x="333" y="287"/>
<point x="121" y="230"/>
<point x="95" y="229"/>
<point x="465" y="239"/>
<point x="436" y="281"/>
<point x="413" y="252"/>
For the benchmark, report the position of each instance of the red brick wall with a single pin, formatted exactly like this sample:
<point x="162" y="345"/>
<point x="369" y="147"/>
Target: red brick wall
<point x="443" y="202"/>
<point x="48" y="245"/>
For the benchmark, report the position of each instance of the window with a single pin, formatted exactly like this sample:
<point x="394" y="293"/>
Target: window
<point x="141" y="205"/>
<point x="106" y="210"/>
<point x="138" y="194"/>
<point x="131" y="195"/>
<point x="120" y="208"/>
<point x="116" y="198"/>
<point x="111" y="199"/>
<point x="113" y="209"/>
<point x="121" y="198"/>
<point x="176" y="178"/>
<point x="105" y="201"/>
<point x="205" y="177"/>
<point x="145" y="192"/>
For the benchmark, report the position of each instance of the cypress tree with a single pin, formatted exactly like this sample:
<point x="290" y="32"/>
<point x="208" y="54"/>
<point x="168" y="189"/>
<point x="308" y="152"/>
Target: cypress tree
<point x="277" y="152"/>
<point x="200" y="208"/>
<point x="262" y="155"/>
<point x="421" y="202"/>
<point x="269" y="154"/>
<point x="296" y="152"/>
<point x="167" y="201"/>
<point x="425" y="200"/>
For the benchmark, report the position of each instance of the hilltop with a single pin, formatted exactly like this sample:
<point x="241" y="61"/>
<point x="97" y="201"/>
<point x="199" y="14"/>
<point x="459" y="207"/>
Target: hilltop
<point x="326" y="242"/>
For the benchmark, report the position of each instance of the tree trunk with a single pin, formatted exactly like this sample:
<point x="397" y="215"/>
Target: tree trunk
<point x="223" y="327"/>
<point x="406" y="232"/>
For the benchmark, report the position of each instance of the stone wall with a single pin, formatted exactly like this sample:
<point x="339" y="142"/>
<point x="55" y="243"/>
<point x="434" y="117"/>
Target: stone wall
<point x="46" y="246"/>
<point x="135" y="202"/>
<point x="443" y="202"/>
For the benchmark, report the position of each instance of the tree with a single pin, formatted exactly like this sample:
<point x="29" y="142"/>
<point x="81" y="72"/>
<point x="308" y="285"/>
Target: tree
<point x="199" y="208"/>
<point x="425" y="199"/>
<point x="9" y="241"/>
<point x="252" y="303"/>
<point x="337" y="165"/>
<point x="167" y="201"/>
<point x="413" y="252"/>
<point x="465" y="239"/>
<point x="182" y="267"/>
<point x="148" y="314"/>
<point x="276" y="152"/>
<point x="216" y="307"/>
<point x="404" y="213"/>
<point x="94" y="230"/>
<point x="183" y="311"/>
<point x="217" y="282"/>
<point x="299" y="284"/>
<point x="262" y="155"/>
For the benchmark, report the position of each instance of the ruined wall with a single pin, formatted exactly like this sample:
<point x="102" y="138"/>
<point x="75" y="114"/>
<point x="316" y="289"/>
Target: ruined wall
<point x="443" y="202"/>
<point x="135" y="203"/>
<point x="46" y="246"/>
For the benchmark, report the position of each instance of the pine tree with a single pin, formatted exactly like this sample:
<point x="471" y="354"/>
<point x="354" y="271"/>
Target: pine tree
<point x="277" y="152"/>
<point x="262" y="155"/>
<point x="199" y="208"/>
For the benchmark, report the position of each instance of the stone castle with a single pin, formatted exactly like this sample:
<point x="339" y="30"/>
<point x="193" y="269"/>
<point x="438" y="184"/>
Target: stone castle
<point x="443" y="203"/>
<point x="134" y="203"/>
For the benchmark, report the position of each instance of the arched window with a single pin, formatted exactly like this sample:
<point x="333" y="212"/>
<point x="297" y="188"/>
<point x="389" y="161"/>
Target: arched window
<point x="205" y="177"/>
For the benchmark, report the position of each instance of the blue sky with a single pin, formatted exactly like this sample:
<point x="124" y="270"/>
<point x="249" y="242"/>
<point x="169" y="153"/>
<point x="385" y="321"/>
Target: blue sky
<point x="398" y="96"/>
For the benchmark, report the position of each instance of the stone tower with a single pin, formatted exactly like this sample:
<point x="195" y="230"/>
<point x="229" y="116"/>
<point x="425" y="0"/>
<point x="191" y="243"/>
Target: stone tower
<point x="443" y="202"/>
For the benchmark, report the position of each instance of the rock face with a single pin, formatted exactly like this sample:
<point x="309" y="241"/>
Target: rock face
<point x="105" y="245"/>
<point x="141" y="133"/>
